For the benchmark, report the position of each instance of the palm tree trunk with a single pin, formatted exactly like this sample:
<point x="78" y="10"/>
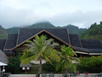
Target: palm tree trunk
<point x="66" y="71"/>
<point x="40" y="69"/>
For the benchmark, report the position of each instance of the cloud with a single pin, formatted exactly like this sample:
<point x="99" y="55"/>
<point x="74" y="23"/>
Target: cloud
<point x="82" y="13"/>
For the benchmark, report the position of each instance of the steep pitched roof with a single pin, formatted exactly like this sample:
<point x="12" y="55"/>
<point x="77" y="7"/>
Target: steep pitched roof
<point x="27" y="34"/>
<point x="74" y="39"/>
<point x="3" y="57"/>
<point x="91" y="44"/>
<point x="11" y="41"/>
<point x="24" y="34"/>
<point x="15" y="40"/>
<point x="2" y="43"/>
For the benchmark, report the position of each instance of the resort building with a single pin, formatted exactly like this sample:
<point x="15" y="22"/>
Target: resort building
<point x="83" y="47"/>
<point x="3" y="61"/>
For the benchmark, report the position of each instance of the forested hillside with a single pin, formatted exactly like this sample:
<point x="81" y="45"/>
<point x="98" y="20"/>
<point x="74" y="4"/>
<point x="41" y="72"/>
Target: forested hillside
<point x="3" y="33"/>
<point x="71" y="28"/>
<point x="94" y="32"/>
<point x="42" y="25"/>
<point x="74" y="29"/>
<point x="14" y="30"/>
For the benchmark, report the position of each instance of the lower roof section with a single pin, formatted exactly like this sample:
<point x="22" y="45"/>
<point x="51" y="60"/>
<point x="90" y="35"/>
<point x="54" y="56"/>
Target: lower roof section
<point x="88" y="50"/>
<point x="95" y="54"/>
<point x="8" y="52"/>
<point x="3" y="64"/>
<point x="91" y="43"/>
<point x="3" y="57"/>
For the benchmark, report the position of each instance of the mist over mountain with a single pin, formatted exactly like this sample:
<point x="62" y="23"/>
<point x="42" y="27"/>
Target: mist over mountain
<point x="14" y="30"/>
<point x="71" y="28"/>
<point x="74" y="29"/>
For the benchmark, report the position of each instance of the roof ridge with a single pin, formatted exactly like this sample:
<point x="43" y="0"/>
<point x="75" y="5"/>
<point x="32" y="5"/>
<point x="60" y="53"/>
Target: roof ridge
<point x="17" y="36"/>
<point x="80" y="41"/>
<point x="68" y="36"/>
<point x="5" y="42"/>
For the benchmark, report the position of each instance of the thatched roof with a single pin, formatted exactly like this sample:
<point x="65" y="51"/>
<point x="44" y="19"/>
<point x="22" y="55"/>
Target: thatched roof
<point x="61" y="35"/>
<point x="91" y="44"/>
<point x="11" y="41"/>
<point x="27" y="33"/>
<point x="74" y="39"/>
<point x="8" y="52"/>
<point x="2" y="43"/>
<point x="3" y="57"/>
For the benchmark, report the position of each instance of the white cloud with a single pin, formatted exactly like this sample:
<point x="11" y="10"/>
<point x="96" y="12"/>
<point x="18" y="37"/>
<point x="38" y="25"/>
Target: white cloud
<point x="82" y="13"/>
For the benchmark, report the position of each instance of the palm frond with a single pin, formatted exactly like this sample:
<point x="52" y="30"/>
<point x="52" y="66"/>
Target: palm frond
<point x="27" y="59"/>
<point x="47" y="59"/>
<point x="76" y="59"/>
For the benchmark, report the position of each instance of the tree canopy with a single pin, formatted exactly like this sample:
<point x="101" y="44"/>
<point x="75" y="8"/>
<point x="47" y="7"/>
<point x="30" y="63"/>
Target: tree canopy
<point x="67" y="55"/>
<point x="38" y="49"/>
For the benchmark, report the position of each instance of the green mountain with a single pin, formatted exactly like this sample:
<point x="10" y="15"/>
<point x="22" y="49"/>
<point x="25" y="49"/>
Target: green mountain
<point x="71" y="28"/>
<point x="94" y="32"/>
<point x="3" y="33"/>
<point x="42" y="25"/>
<point x="74" y="29"/>
<point x="14" y="30"/>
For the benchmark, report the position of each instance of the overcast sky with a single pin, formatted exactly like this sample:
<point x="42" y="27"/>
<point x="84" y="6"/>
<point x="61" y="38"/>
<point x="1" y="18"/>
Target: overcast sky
<point x="81" y="13"/>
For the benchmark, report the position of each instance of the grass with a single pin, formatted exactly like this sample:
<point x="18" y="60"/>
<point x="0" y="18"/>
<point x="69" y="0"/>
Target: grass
<point x="33" y="70"/>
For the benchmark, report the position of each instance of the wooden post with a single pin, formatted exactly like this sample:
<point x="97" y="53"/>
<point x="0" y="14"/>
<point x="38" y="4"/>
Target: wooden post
<point x="0" y="68"/>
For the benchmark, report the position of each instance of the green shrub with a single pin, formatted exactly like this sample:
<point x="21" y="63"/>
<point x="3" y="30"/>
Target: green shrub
<point x="13" y="65"/>
<point x="48" y="67"/>
<point x="90" y="64"/>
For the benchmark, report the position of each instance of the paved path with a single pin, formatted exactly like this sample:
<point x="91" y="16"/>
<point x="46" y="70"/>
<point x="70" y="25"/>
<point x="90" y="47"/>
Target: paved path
<point x="55" y="75"/>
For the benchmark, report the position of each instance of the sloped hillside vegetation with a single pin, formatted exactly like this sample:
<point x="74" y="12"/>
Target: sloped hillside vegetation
<point x="3" y="33"/>
<point x="94" y="32"/>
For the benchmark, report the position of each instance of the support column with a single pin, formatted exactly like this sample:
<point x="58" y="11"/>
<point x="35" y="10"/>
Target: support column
<point x="0" y="68"/>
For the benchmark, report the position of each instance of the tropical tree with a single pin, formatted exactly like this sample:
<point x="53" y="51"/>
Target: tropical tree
<point x="38" y="49"/>
<point x="14" y="64"/>
<point x="66" y="57"/>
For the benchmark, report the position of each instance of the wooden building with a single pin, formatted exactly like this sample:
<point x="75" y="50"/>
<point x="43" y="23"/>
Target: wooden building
<point x="83" y="47"/>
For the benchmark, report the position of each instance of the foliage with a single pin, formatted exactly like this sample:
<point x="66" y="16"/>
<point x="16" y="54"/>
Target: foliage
<point x="94" y="32"/>
<point x="38" y="49"/>
<point x="48" y="67"/>
<point x="3" y="33"/>
<point x="71" y="28"/>
<point x="66" y="55"/>
<point x="3" y="36"/>
<point x="14" y="30"/>
<point x="74" y="29"/>
<point x="14" y="65"/>
<point x="94" y="63"/>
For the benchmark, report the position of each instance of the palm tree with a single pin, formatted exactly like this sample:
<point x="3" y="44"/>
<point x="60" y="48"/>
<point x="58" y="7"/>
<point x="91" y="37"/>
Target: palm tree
<point x="38" y="49"/>
<point x="66" y="57"/>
